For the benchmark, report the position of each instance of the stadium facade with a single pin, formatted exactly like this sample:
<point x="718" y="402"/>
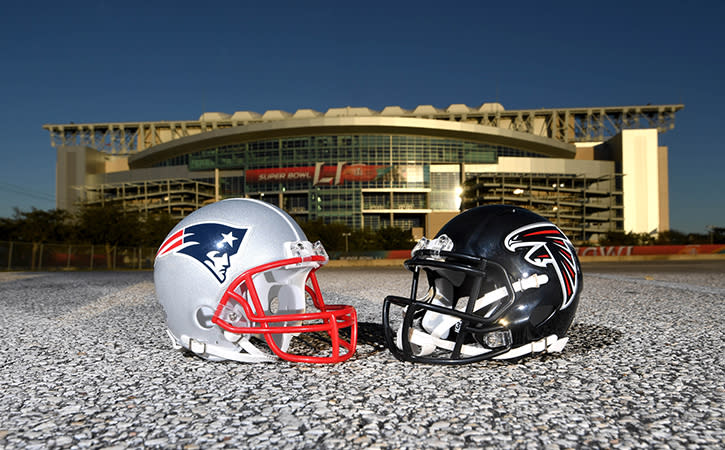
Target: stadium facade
<point x="589" y="170"/>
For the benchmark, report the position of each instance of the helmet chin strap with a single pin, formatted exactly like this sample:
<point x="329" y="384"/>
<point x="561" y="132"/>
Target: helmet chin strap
<point x="438" y="325"/>
<point x="428" y="344"/>
<point x="213" y="351"/>
<point x="549" y="344"/>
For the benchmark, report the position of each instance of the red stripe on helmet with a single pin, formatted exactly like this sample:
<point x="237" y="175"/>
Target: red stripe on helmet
<point x="543" y="232"/>
<point x="169" y="244"/>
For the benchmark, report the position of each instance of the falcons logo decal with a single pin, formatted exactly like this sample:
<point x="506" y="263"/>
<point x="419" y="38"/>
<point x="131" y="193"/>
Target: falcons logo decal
<point x="548" y="246"/>
<point x="212" y="244"/>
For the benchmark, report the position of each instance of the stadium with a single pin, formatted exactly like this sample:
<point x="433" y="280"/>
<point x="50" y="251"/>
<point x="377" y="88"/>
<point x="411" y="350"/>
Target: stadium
<point x="589" y="170"/>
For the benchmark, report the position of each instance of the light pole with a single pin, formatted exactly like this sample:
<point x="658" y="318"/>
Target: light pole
<point x="347" y="235"/>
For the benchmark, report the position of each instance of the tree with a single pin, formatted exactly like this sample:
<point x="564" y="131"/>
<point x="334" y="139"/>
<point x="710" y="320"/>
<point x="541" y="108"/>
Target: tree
<point x="671" y="237"/>
<point x="154" y="229"/>
<point x="110" y="226"/>
<point x="362" y="240"/>
<point x="629" y="238"/>
<point x="332" y="237"/>
<point x="392" y="238"/>
<point x="42" y="226"/>
<point x="38" y="226"/>
<point x="330" y="234"/>
<point x="717" y="235"/>
<point x="8" y="229"/>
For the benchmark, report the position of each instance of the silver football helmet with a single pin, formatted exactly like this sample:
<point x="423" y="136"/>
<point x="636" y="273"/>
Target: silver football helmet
<point x="239" y="273"/>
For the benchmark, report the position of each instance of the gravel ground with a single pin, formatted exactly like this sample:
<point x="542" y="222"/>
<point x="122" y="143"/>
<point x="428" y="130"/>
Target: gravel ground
<point x="85" y="363"/>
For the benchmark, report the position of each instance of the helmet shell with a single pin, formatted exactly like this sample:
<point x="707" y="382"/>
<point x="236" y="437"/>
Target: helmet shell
<point x="488" y="232"/>
<point x="189" y="290"/>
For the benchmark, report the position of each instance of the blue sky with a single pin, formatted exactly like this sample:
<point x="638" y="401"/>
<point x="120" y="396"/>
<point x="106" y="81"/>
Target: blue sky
<point x="147" y="61"/>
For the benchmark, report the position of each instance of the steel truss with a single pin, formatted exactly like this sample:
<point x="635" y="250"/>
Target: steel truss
<point x="566" y="125"/>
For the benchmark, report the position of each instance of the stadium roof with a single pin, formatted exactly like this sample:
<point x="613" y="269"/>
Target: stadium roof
<point x="354" y="125"/>
<point x="566" y="125"/>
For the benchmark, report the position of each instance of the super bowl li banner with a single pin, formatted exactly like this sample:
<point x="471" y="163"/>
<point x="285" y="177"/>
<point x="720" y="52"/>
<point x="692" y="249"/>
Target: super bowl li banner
<point x="319" y="173"/>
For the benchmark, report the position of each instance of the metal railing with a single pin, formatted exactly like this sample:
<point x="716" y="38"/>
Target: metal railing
<point x="42" y="256"/>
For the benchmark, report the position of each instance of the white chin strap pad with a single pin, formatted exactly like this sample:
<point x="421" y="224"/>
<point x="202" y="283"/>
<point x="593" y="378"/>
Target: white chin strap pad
<point x="549" y="344"/>
<point x="247" y="352"/>
<point x="428" y="344"/>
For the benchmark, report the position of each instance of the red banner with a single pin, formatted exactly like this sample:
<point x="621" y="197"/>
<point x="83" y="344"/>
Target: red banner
<point x="630" y="250"/>
<point x="318" y="174"/>
<point x="279" y="174"/>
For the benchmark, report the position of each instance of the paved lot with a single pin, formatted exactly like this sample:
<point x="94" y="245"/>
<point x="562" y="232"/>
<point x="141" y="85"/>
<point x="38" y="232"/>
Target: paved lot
<point x="85" y="363"/>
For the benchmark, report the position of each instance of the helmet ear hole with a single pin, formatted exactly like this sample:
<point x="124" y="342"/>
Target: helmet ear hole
<point x="274" y="305"/>
<point x="203" y="317"/>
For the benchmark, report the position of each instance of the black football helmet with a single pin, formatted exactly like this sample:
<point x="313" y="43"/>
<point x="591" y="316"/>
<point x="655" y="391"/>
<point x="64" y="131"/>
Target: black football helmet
<point x="503" y="283"/>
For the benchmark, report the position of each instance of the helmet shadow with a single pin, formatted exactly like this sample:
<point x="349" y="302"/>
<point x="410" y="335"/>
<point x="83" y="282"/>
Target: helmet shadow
<point x="585" y="337"/>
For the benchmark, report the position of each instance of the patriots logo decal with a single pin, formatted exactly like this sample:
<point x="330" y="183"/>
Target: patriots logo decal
<point x="212" y="244"/>
<point x="548" y="245"/>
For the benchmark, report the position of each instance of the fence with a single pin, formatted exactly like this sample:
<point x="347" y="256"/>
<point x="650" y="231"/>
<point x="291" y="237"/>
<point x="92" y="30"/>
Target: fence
<point x="28" y="256"/>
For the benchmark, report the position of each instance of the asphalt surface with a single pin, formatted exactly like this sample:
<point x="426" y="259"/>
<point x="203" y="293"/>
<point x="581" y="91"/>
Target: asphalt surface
<point x="85" y="363"/>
